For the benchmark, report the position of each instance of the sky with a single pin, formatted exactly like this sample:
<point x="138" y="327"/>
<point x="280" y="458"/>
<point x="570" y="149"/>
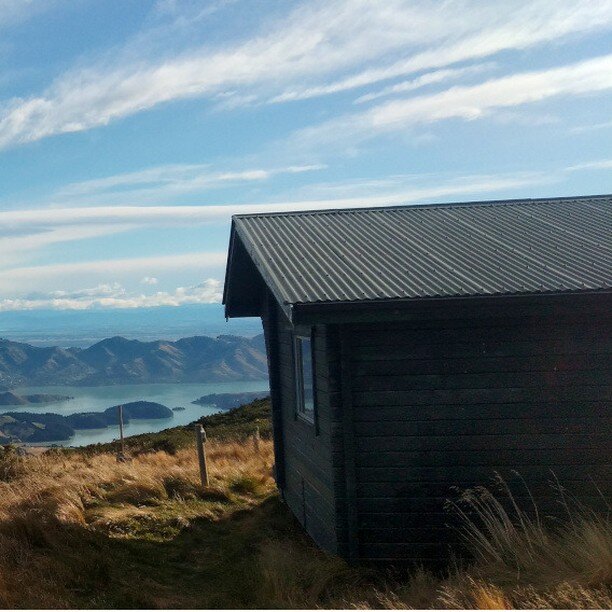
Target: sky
<point x="131" y="130"/>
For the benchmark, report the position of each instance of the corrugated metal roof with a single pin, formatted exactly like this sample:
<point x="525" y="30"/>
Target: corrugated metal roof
<point x="428" y="251"/>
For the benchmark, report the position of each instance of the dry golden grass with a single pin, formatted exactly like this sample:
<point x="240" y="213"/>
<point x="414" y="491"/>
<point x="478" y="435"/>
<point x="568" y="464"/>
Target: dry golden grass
<point x="65" y="487"/>
<point x="52" y="501"/>
<point x="82" y="530"/>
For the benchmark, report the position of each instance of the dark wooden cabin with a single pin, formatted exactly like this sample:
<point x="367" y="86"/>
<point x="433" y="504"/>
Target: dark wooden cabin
<point x="415" y="349"/>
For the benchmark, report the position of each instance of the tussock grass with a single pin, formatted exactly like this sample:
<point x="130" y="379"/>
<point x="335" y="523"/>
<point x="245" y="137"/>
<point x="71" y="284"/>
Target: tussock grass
<point x="58" y="511"/>
<point x="79" y="529"/>
<point x="511" y="541"/>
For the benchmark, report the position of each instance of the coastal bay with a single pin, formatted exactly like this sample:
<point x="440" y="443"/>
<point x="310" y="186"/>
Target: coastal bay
<point x="97" y="399"/>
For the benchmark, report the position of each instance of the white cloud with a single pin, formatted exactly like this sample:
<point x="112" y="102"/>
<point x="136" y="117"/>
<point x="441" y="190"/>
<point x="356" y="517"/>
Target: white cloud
<point x="289" y="58"/>
<point x="18" y="241"/>
<point x="166" y="182"/>
<point x="26" y="233"/>
<point x="428" y="78"/>
<point x="141" y="216"/>
<point x="102" y="290"/>
<point x="115" y="296"/>
<point x="316" y="38"/>
<point x="601" y="164"/>
<point x="106" y="279"/>
<point x="579" y="129"/>
<point x="476" y="31"/>
<point x="468" y="102"/>
<point x="29" y="276"/>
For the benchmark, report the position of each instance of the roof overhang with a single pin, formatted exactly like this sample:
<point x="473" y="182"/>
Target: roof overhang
<point x="394" y="310"/>
<point x="244" y="289"/>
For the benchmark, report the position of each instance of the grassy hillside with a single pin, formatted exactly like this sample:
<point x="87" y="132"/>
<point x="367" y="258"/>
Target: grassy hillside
<point x="78" y="529"/>
<point x="235" y="424"/>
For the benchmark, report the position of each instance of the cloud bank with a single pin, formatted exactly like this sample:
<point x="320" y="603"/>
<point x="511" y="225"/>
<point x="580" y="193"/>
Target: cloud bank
<point x="115" y="296"/>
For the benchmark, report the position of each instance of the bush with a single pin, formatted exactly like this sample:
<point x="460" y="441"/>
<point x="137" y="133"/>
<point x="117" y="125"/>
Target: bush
<point x="165" y="445"/>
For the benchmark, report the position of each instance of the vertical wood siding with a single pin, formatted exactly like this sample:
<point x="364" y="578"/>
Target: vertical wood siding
<point x="448" y="402"/>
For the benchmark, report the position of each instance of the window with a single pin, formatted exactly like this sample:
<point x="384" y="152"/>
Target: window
<point x="305" y="389"/>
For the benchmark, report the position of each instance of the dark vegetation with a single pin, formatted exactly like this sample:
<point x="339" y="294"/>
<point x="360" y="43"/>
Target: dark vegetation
<point x="50" y="427"/>
<point x="226" y="401"/>
<point x="138" y="410"/>
<point x="9" y="398"/>
<point x="32" y="427"/>
<point x="239" y="423"/>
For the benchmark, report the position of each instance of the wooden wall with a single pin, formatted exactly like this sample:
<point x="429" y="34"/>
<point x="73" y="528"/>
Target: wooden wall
<point x="303" y="450"/>
<point x="448" y="400"/>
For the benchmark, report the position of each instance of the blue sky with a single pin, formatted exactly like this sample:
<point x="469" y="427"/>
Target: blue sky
<point x="131" y="130"/>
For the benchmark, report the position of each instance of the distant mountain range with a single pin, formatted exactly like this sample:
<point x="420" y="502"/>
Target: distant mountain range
<point x="117" y="360"/>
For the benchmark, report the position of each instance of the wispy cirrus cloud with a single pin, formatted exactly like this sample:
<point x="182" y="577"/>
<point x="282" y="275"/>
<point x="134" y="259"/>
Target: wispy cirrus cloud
<point x="128" y="216"/>
<point x="19" y="241"/>
<point x="580" y="129"/>
<point x="162" y="183"/>
<point x="483" y="31"/>
<point x="429" y="78"/>
<point x="463" y="102"/>
<point x="26" y="232"/>
<point x="30" y="231"/>
<point x="313" y="50"/>
<point x="599" y="164"/>
<point x="317" y="38"/>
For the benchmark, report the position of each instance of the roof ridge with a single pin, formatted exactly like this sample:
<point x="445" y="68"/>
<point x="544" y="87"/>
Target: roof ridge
<point x="421" y="205"/>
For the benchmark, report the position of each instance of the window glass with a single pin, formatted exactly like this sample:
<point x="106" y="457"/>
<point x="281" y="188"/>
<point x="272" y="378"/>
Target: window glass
<point x="305" y="377"/>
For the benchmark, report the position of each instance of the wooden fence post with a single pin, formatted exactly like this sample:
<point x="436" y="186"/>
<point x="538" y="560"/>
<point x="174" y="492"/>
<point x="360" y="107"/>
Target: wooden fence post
<point x="121" y="456"/>
<point x="256" y="439"/>
<point x="200" y="442"/>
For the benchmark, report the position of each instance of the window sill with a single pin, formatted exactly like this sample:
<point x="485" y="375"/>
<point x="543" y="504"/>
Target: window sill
<point x="306" y="419"/>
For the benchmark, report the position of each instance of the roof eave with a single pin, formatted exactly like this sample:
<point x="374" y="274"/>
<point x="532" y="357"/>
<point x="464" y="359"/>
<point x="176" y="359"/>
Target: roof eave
<point x="236" y="233"/>
<point x="228" y="265"/>
<point x="321" y="312"/>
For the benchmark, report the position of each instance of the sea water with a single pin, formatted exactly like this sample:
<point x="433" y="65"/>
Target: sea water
<point x="97" y="399"/>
